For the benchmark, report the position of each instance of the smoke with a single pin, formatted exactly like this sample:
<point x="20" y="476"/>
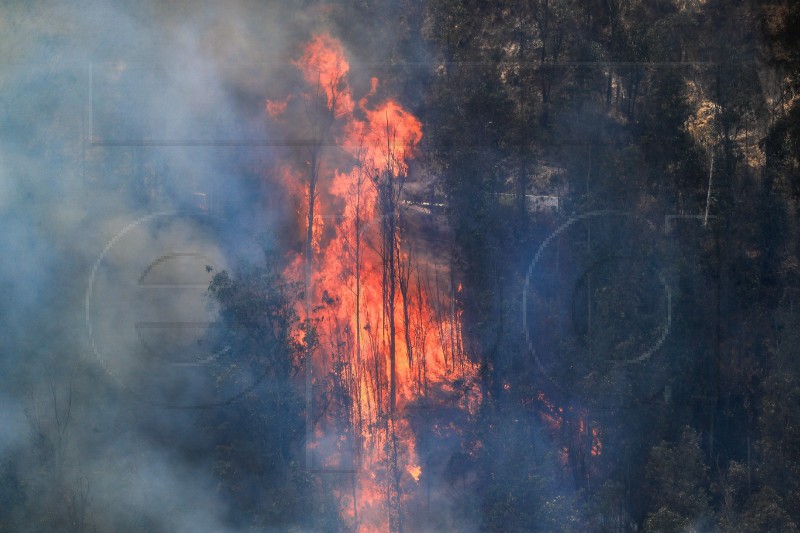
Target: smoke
<point x="136" y="163"/>
<point x="113" y="112"/>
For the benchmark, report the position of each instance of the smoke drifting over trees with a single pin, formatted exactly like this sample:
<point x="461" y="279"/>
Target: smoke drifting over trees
<point x="399" y="266"/>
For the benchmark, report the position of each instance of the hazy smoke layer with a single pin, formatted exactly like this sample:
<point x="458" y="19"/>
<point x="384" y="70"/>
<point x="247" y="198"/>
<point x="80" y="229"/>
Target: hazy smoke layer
<point x="112" y="112"/>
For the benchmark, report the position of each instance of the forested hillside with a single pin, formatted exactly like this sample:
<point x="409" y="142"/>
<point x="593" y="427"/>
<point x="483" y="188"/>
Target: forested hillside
<point x="665" y="129"/>
<point x="399" y="265"/>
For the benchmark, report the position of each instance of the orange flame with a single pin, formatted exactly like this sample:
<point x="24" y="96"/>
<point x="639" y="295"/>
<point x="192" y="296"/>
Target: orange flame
<point x="352" y="309"/>
<point x="276" y="108"/>
<point x="575" y="435"/>
<point x="373" y="87"/>
<point x="597" y="443"/>
<point x="415" y="471"/>
<point x="324" y="68"/>
<point x="391" y="134"/>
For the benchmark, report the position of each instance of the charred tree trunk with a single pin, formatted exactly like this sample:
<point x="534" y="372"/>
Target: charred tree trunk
<point x="309" y="364"/>
<point x="404" y="269"/>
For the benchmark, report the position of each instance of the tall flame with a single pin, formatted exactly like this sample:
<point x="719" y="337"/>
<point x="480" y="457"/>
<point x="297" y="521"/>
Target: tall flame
<point x="387" y="330"/>
<point x="325" y="68"/>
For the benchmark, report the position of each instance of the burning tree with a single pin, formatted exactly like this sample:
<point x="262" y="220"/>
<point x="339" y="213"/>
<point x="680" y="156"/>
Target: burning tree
<point x="324" y="68"/>
<point x="381" y="333"/>
<point x="258" y="438"/>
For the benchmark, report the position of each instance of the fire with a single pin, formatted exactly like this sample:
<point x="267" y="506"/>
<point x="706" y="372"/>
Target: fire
<point x="550" y="414"/>
<point x="373" y="87"/>
<point x="597" y="443"/>
<point x="276" y="108"/>
<point x="393" y="133"/>
<point x="388" y="332"/>
<point x="575" y="434"/>
<point x="324" y="68"/>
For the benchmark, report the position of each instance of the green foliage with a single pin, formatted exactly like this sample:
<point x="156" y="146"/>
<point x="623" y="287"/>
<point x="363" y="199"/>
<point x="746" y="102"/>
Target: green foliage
<point x="677" y="481"/>
<point x="765" y="512"/>
<point x="258" y="439"/>
<point x="666" y="521"/>
<point x="660" y="111"/>
<point x="257" y="316"/>
<point x="520" y="484"/>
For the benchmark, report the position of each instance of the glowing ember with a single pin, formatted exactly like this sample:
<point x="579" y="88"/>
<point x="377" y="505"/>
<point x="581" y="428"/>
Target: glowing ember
<point x="276" y="108"/>
<point x="597" y="444"/>
<point x="415" y="471"/>
<point x="575" y="434"/>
